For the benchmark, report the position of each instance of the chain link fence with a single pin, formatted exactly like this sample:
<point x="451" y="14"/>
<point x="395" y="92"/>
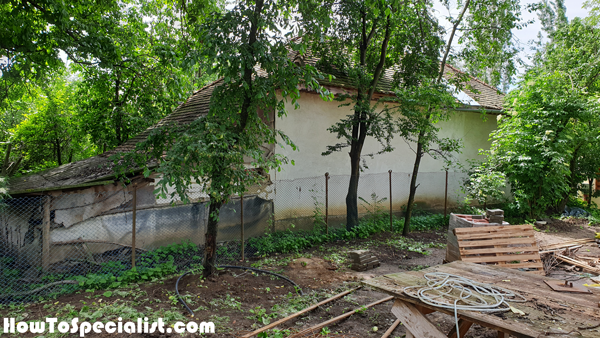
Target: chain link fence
<point x="48" y="241"/>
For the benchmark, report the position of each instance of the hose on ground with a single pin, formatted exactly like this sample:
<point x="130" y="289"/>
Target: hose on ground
<point x="446" y="291"/>
<point x="179" y="296"/>
<point x="296" y="286"/>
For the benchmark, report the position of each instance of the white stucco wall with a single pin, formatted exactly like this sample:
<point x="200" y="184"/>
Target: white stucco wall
<point x="298" y="186"/>
<point x="307" y="127"/>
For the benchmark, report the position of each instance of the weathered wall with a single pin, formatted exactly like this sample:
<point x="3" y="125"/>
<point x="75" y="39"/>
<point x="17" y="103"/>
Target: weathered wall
<point x="20" y="232"/>
<point x="162" y="225"/>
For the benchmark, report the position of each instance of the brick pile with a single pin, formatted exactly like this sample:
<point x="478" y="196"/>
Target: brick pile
<point x="362" y="260"/>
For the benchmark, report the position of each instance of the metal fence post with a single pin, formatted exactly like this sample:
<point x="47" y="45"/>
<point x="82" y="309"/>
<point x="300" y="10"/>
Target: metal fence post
<point x="46" y="234"/>
<point x="391" y="221"/>
<point x="446" y="195"/>
<point x="133" y="226"/>
<point x="242" y="222"/>
<point x="327" y="203"/>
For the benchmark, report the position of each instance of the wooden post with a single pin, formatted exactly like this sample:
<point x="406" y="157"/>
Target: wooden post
<point x="46" y="234"/>
<point x="327" y="203"/>
<point x="133" y="227"/>
<point x="391" y="222"/>
<point x="446" y="196"/>
<point x="242" y="222"/>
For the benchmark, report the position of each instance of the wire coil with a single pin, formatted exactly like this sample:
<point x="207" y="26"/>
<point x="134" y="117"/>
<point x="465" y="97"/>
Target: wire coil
<point x="459" y="293"/>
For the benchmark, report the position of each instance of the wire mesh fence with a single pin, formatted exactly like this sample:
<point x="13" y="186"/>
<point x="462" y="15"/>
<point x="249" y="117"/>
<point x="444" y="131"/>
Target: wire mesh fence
<point x="52" y="243"/>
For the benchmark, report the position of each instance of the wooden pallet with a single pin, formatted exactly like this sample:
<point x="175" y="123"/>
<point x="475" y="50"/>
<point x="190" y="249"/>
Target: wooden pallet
<point x="512" y="246"/>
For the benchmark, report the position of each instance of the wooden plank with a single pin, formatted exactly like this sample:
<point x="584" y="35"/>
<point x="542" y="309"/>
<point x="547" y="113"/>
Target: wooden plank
<point x="528" y="284"/>
<point x="465" y="252"/>
<point x="463" y="326"/>
<point x="391" y="329"/>
<point x="579" y="310"/>
<point x="566" y="244"/>
<point x="582" y="265"/>
<point x="502" y="334"/>
<point x="507" y="258"/>
<point x="475" y="317"/>
<point x="299" y="313"/>
<point x="496" y="234"/>
<point x="415" y="321"/>
<point x="537" y="265"/>
<point x="469" y="244"/>
<point x="340" y="317"/>
<point x="531" y="265"/>
<point x="492" y="228"/>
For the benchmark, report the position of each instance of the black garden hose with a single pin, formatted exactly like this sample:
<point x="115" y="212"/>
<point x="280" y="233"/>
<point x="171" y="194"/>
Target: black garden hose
<point x="179" y="296"/>
<point x="296" y="286"/>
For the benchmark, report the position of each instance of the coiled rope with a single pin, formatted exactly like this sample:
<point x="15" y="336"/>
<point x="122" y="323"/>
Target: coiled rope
<point x="447" y="291"/>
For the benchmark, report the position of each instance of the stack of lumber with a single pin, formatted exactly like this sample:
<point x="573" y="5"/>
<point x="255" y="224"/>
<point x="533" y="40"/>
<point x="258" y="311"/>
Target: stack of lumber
<point x="566" y="253"/>
<point x="362" y="260"/>
<point x="512" y="246"/>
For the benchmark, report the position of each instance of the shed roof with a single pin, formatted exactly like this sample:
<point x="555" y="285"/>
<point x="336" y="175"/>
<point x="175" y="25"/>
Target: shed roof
<point x="98" y="170"/>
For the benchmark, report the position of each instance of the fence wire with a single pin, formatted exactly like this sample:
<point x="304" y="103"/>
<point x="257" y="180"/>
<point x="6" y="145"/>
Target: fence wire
<point x="51" y="238"/>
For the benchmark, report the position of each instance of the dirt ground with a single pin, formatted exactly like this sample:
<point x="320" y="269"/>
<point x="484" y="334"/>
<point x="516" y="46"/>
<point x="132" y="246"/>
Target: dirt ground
<point x="238" y="301"/>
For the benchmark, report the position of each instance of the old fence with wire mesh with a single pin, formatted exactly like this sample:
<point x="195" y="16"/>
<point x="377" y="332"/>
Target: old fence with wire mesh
<point x="49" y="241"/>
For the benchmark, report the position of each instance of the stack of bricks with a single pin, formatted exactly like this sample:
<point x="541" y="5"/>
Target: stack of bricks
<point x="495" y="216"/>
<point x="362" y="260"/>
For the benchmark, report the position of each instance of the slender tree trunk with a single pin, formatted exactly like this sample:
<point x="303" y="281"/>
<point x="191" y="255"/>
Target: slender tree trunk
<point x="413" y="190"/>
<point x="419" y="152"/>
<point x="210" y="241"/>
<point x="58" y="152"/>
<point x="590" y="191"/>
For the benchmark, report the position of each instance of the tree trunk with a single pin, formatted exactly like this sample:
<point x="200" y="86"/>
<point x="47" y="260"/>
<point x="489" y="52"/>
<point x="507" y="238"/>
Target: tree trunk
<point x="210" y="243"/>
<point x="413" y="187"/>
<point x="590" y="191"/>
<point x="352" y="196"/>
<point x="58" y="153"/>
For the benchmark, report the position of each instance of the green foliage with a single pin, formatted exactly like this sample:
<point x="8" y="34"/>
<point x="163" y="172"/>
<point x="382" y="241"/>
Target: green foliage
<point x="152" y="265"/>
<point x="295" y="241"/>
<point x="128" y="65"/>
<point x="259" y="315"/>
<point x="3" y="190"/>
<point x="50" y="133"/>
<point x="544" y="145"/>
<point x="35" y="32"/>
<point x="375" y="209"/>
<point x="484" y="184"/>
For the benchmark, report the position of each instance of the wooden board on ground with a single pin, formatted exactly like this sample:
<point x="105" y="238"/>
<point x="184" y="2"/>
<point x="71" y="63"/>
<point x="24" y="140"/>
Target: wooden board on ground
<point x="566" y="244"/>
<point x="512" y="246"/>
<point x="545" y="311"/>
